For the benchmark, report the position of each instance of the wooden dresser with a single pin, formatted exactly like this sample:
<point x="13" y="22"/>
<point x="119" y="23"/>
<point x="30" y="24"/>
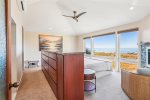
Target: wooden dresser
<point x="65" y="74"/>
<point x="136" y="86"/>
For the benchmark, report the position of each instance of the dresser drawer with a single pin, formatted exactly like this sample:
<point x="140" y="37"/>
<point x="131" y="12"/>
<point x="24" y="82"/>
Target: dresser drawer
<point x="45" y="58"/>
<point x="45" y="53"/>
<point x="51" y="83"/>
<point x="45" y="65"/>
<point x="52" y="55"/>
<point x="52" y="74"/>
<point x="52" y="63"/>
<point x="53" y="86"/>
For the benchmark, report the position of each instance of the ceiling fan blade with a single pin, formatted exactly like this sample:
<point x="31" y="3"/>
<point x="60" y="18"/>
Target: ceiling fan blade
<point x="80" y="14"/>
<point x="67" y="16"/>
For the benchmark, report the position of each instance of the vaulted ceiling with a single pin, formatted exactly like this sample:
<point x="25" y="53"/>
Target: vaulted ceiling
<point x="46" y="15"/>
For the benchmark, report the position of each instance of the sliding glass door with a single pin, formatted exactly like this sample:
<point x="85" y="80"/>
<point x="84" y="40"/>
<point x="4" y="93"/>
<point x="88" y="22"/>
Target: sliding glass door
<point x="104" y="47"/>
<point x="128" y="50"/>
<point x="121" y="49"/>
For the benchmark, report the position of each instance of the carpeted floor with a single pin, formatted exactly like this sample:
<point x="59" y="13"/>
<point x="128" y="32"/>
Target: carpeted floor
<point x="34" y="86"/>
<point x="108" y="88"/>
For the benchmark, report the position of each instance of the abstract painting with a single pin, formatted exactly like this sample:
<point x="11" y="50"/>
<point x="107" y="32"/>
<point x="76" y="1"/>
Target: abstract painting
<point x="50" y="43"/>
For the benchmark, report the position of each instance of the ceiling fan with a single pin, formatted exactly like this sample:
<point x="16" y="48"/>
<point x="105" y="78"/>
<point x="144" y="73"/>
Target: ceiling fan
<point x="75" y="16"/>
<point x="21" y="5"/>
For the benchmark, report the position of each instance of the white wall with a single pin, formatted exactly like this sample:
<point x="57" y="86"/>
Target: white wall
<point x="31" y="45"/>
<point x="16" y="73"/>
<point x="69" y="43"/>
<point x="145" y="29"/>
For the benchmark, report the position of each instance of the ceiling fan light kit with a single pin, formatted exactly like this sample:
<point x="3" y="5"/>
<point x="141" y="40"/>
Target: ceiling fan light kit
<point x="76" y="16"/>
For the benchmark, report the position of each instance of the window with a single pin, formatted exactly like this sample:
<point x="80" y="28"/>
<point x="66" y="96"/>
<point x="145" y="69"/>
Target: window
<point x="129" y="50"/>
<point x="87" y="46"/>
<point x="110" y="47"/>
<point x="105" y="47"/>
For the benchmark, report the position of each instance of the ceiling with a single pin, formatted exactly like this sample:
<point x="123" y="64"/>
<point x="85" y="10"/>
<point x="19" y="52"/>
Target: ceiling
<point x="46" y="15"/>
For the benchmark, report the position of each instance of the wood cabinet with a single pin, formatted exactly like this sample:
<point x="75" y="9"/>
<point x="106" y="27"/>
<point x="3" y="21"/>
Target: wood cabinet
<point x="65" y="74"/>
<point x="136" y="86"/>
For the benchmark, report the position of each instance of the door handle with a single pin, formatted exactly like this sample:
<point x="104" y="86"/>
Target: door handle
<point x="14" y="85"/>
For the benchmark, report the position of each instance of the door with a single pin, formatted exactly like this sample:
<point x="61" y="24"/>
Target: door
<point x="5" y="75"/>
<point x="129" y="50"/>
<point x="104" y="47"/>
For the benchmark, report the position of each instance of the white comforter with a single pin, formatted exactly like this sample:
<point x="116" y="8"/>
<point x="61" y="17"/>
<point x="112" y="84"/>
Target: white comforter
<point x="97" y="65"/>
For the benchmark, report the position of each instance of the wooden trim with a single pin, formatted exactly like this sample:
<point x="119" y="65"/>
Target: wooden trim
<point x="87" y="37"/>
<point x="122" y="31"/>
<point x="128" y="30"/>
<point x="103" y="34"/>
<point x="99" y="35"/>
<point x="8" y="48"/>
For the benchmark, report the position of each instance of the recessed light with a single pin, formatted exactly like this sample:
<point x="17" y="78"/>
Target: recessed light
<point x="50" y="28"/>
<point x="131" y="8"/>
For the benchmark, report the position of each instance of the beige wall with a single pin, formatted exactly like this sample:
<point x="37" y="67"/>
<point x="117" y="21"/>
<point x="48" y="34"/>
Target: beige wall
<point x="31" y="45"/>
<point x="69" y="43"/>
<point x="145" y="29"/>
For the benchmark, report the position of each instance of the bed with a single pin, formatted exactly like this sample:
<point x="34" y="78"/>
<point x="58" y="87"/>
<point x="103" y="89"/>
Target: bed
<point x="102" y="68"/>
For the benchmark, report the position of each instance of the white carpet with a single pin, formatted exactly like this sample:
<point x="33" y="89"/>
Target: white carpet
<point x="35" y="87"/>
<point x="108" y="88"/>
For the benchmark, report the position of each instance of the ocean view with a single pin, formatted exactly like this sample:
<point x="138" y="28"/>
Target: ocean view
<point x="122" y="50"/>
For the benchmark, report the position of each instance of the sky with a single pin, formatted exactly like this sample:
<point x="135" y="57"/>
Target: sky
<point x="127" y="40"/>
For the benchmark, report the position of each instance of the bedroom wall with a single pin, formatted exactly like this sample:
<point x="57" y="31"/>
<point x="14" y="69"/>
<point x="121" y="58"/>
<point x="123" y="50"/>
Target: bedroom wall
<point x="145" y="29"/>
<point x="31" y="45"/>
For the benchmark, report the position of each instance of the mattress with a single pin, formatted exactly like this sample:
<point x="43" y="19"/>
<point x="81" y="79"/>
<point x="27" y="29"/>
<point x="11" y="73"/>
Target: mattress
<point x="97" y="65"/>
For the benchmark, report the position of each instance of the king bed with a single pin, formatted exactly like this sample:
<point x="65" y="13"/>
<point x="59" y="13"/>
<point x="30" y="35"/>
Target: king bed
<point x="101" y="67"/>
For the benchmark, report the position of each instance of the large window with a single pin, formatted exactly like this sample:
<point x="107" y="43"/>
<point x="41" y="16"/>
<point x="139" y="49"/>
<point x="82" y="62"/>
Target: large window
<point x="87" y="46"/>
<point x="121" y="49"/>
<point x="129" y="50"/>
<point x="105" y="47"/>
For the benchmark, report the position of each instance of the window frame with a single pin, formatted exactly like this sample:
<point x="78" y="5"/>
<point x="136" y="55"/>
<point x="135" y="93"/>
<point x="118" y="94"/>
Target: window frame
<point x="85" y="44"/>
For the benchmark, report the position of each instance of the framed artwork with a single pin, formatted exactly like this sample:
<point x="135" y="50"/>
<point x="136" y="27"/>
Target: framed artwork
<point x="50" y="43"/>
